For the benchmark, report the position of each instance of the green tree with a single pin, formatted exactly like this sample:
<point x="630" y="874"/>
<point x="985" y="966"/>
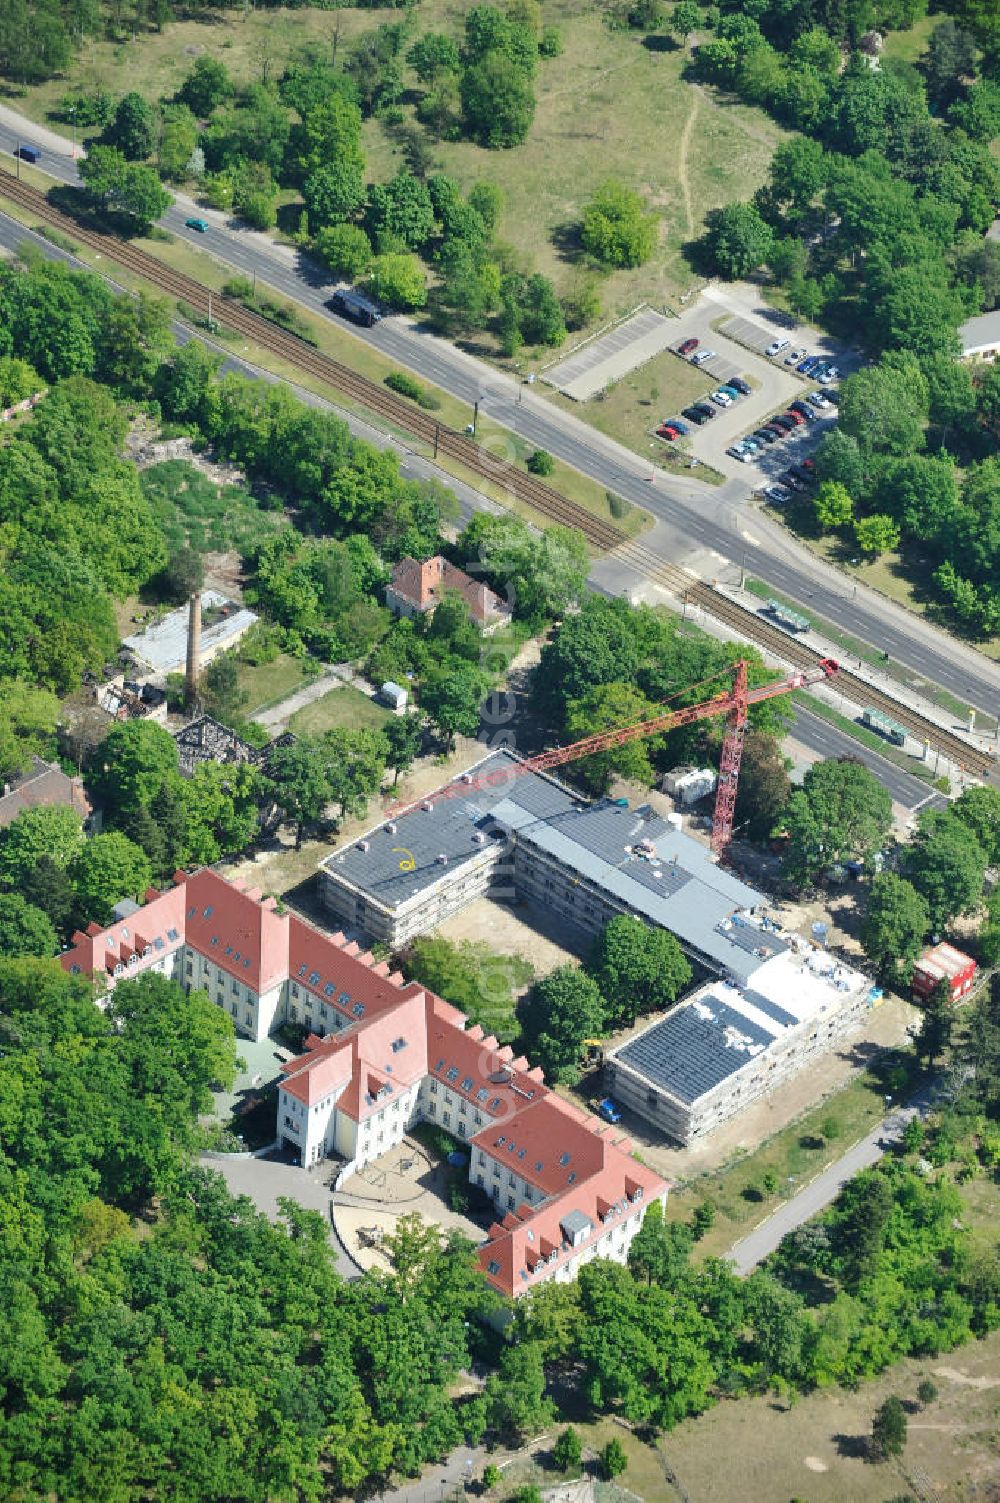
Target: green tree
<point x="661" y="1249"/>
<point x="498" y="101"/>
<point x="568" y="1450"/>
<point x="833" y="505"/>
<point x="686" y="16"/>
<point x="565" y="1008"/>
<point x="433" y="54"/>
<point x="515" y="1393"/>
<point x="895" y="924"/>
<point x="397" y="278"/>
<point x="206" y="87"/>
<point x="946" y="865"/>
<point x="127" y="189"/>
<point x="451" y="697"/>
<point x="221" y="810"/>
<point x="356" y="762"/>
<point x="841" y="813"/>
<point x="936" y="1025"/>
<point x="885" y="406"/>
<point x="24" y="929"/>
<point x="133" y="130"/>
<point x="298" y="785"/>
<point x="28" y="718"/>
<point x="737" y="240"/>
<point x="46" y="885"/>
<point x="400" y="213"/>
<point x="614" y="1459"/>
<point x="334" y="192"/>
<point x="764" y="788"/>
<point x="888" y="1430"/>
<point x="51" y="830"/>
<point x="876" y="534"/>
<point x="838" y="459"/>
<point x="979" y="807"/>
<point x="184" y="575"/>
<point x="638" y="969"/>
<point x="178" y="142"/>
<point x="345" y="248"/>
<point x="617" y="230"/>
<point x="135" y="761"/>
<point x="610" y="707"/>
<point x="404" y="736"/>
<point x="108" y="868"/>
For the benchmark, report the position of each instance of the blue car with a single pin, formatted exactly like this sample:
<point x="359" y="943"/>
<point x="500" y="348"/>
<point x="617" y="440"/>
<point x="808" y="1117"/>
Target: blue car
<point x="731" y="391"/>
<point x="681" y="427"/>
<point x="807" y="367"/>
<point x="608" y="1110"/>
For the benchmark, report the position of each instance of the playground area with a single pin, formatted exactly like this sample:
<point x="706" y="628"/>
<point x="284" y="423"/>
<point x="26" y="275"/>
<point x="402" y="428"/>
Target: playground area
<point x="404" y="1180"/>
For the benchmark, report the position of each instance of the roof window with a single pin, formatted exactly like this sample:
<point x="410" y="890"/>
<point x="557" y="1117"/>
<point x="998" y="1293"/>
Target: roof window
<point x="358" y="1009"/>
<point x="329" y="989"/>
<point x="467" y="1083"/>
<point x="302" y="970"/>
<point x="172" y="934"/>
<point x="208" y="911"/>
<point x="110" y="942"/>
<point x="493" y="1266"/>
<point x="158" y="942"/>
<point x="229" y="949"/>
<point x="124" y="932"/>
<point x="501" y="1140"/>
<point x="345" y="997"/>
<point x="571" y="1176"/>
<point x="564" y="1158"/>
<point x="215" y="939"/>
<point x="314" y="978"/>
<point x="452" y="1073"/>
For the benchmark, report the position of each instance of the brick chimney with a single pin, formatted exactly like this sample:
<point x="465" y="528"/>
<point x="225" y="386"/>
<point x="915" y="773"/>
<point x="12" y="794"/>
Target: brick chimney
<point x="193" y="651"/>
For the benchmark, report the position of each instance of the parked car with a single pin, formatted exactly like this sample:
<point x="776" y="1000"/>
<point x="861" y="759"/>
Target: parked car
<point x="795" y="357"/>
<point x="806" y="476"/>
<point x="789" y="477"/>
<point x="807" y="366"/>
<point x="667" y="430"/>
<point x="721" y="399"/>
<point x="803" y="409"/>
<point x="702" y="356"/>
<point x="820" y="371"/>
<point x="776" y="494"/>
<point x="784" y="421"/>
<point x="609" y="1111"/>
<point x="776" y="346"/>
<point x="776" y="429"/>
<point x="816" y="399"/>
<point x="707" y="411"/>
<point x="767" y="435"/>
<point x="196" y="224"/>
<point x="796" y="417"/>
<point x="753" y="444"/>
<point x="832" y="373"/>
<point x="739" y="452"/>
<point x="688" y="346"/>
<point x="808" y="464"/>
<point x="830" y="392"/>
<point x="730" y="391"/>
<point x="695" y="417"/>
<point x="741" y="386"/>
<point x="681" y="427"/>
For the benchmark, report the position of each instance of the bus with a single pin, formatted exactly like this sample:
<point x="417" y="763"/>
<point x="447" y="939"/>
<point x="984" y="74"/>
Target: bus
<point x="355" y="306"/>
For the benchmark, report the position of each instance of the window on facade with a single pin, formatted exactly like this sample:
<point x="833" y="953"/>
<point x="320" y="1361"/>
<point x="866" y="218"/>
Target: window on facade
<point x="512" y="1179"/>
<point x="235" y="988"/>
<point x="190" y="968"/>
<point x="249" y="1018"/>
<point x="461" y="1130"/>
<point x="446" y="1118"/>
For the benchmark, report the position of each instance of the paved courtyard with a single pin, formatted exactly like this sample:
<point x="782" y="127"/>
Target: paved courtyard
<point x="368" y="1206"/>
<point x="266" y="1181"/>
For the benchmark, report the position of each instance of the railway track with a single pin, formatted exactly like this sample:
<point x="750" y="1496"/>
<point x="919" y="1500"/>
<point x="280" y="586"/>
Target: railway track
<point x="383" y="403"/>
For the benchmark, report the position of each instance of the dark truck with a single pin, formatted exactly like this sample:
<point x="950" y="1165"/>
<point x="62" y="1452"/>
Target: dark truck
<point x="355" y="306"/>
<point x="29" y="153"/>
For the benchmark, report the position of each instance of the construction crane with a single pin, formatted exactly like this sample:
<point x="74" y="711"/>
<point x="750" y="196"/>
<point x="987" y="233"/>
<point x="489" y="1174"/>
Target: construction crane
<point x="734" y="704"/>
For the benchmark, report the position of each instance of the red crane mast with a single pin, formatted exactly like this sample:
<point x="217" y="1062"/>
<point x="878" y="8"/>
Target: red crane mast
<point x="734" y="704"/>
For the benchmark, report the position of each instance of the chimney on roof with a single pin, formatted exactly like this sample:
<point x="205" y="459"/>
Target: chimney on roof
<point x="193" y="651"/>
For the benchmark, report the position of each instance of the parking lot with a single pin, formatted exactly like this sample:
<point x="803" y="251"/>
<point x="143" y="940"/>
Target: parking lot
<point x="738" y="341"/>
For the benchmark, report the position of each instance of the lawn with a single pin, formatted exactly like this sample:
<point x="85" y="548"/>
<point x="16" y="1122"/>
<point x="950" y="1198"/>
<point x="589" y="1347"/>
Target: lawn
<point x="267" y="683"/>
<point x="795" y="1155"/>
<point x="340" y="707"/>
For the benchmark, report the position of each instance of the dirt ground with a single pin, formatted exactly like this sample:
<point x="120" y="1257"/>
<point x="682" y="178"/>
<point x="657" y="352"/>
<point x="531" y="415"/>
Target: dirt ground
<point x="545" y="941"/>
<point x="815" y="1450"/>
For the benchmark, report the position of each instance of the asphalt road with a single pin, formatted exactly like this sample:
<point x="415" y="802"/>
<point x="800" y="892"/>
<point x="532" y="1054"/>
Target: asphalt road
<point x="818" y="1194"/>
<point x="827" y="741"/>
<point x="712" y="518"/>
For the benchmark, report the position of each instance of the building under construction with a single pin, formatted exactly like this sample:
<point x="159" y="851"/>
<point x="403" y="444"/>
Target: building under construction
<point x="775" y="1000"/>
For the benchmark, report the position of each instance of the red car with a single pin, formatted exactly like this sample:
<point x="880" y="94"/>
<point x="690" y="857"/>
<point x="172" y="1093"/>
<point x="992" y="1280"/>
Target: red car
<point x="796" y="417"/>
<point x="688" y="347"/>
<point x="665" y="430"/>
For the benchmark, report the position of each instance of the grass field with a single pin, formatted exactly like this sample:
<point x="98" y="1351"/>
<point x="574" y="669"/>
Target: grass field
<point x="340" y="707"/>
<point x="269" y="682"/>
<point x="631" y="408"/>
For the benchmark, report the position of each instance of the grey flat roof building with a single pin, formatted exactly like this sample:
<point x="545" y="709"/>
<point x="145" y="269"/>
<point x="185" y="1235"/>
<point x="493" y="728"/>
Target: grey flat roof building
<point x="645" y="864"/>
<point x="688" y="1054"/>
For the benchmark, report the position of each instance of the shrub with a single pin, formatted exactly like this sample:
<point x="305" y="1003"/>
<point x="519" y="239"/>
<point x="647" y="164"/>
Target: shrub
<point x="568" y="1450"/>
<point x="618" y="506"/>
<point x="541" y="463"/>
<point x="551" y="44"/>
<point x="613" y="1460"/>
<point x="405" y="385"/>
<point x="926" y="1391"/>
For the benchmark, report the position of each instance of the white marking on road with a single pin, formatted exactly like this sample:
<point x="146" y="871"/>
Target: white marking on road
<point x="748" y="537"/>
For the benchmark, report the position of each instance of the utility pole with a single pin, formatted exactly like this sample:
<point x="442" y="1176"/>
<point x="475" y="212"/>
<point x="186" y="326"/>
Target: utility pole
<point x="210" y="312"/>
<point x="475" y="419"/>
<point x="17" y="159"/>
<point x="437" y="440"/>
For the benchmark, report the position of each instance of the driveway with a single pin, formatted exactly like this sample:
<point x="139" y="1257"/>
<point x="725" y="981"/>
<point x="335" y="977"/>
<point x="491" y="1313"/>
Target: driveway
<point x="266" y="1181"/>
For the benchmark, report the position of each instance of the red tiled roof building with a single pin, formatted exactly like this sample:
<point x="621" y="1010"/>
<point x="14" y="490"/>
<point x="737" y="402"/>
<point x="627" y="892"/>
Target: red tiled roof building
<point x="416" y="589"/>
<point x="381" y="1055"/>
